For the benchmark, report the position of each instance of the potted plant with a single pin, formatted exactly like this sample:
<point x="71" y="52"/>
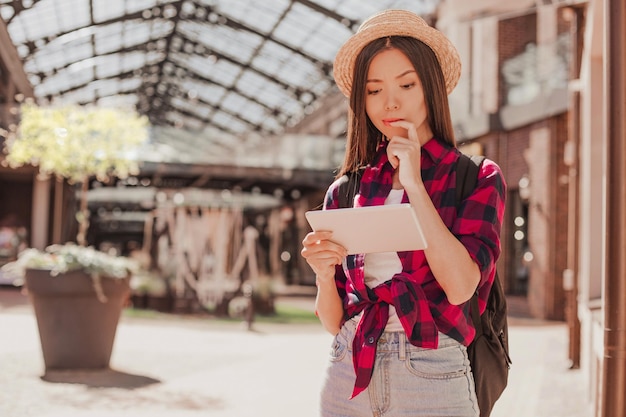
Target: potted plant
<point x="77" y="292"/>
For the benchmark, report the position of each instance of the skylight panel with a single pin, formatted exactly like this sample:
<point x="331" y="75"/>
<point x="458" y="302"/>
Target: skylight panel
<point x="107" y="9"/>
<point x="272" y="95"/>
<point x="220" y="70"/>
<point x="298" y="24"/>
<point x="71" y="14"/>
<point x="38" y="22"/>
<point x="250" y="110"/>
<point x="262" y="16"/>
<point x="229" y="123"/>
<point x="236" y="44"/>
<point x="192" y="107"/>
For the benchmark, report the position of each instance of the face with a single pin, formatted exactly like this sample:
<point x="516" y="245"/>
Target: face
<point x="394" y="92"/>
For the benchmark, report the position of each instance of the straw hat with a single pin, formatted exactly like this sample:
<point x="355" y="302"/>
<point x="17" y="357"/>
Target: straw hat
<point x="396" y="23"/>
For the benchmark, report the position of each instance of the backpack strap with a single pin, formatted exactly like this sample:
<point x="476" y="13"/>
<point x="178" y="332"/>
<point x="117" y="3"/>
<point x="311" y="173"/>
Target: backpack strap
<point x="475" y="315"/>
<point x="466" y="175"/>
<point x="348" y="187"/>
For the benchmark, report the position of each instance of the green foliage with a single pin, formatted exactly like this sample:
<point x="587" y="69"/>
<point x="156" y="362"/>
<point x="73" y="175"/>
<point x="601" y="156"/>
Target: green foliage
<point x="59" y="259"/>
<point x="76" y="143"/>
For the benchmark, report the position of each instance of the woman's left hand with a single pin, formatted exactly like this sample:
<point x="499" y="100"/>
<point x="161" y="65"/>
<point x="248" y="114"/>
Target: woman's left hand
<point x="405" y="154"/>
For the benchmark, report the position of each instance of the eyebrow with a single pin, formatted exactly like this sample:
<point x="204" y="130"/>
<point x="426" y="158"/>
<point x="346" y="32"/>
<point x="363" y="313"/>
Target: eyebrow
<point x="376" y="80"/>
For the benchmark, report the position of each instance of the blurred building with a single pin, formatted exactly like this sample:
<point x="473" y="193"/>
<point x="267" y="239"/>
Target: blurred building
<point x="512" y="106"/>
<point x="15" y="187"/>
<point x="532" y="97"/>
<point x="535" y="96"/>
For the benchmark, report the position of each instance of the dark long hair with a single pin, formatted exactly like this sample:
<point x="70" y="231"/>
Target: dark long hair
<point x="363" y="137"/>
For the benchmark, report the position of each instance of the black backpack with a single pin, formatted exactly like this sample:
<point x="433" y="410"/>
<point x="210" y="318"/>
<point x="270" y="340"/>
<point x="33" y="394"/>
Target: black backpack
<point x="489" y="351"/>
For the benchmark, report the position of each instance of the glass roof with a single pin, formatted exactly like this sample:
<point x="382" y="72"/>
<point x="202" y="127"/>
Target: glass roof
<point x="237" y="66"/>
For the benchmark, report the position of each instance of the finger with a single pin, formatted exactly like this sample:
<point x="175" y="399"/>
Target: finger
<point x="319" y="261"/>
<point x="327" y="259"/>
<point x="334" y="249"/>
<point x="323" y="248"/>
<point x="316" y="236"/>
<point x="399" y="147"/>
<point x="410" y="127"/>
<point x="392" y="157"/>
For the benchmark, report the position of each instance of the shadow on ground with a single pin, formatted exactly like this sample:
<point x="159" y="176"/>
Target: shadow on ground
<point x="99" y="378"/>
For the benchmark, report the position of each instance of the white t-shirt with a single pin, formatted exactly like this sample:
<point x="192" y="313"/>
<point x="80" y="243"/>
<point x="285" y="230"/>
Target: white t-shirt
<point x="380" y="267"/>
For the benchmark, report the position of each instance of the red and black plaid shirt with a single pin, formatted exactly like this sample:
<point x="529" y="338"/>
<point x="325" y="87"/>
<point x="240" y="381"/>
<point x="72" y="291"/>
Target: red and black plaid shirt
<point x="420" y="302"/>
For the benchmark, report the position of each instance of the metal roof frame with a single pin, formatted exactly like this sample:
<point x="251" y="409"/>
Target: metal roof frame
<point x="238" y="66"/>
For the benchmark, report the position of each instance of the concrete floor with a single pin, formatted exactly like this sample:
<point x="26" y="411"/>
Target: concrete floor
<point x="187" y="366"/>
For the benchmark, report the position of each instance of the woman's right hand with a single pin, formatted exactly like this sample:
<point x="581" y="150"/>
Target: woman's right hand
<point x="322" y="254"/>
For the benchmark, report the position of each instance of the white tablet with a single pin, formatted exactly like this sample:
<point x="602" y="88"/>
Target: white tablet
<point x="388" y="228"/>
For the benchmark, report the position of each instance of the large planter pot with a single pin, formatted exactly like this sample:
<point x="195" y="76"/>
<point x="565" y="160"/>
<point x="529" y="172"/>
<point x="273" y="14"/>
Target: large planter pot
<point x="76" y="329"/>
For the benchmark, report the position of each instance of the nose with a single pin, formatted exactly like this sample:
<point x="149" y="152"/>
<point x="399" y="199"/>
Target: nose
<point x="391" y="104"/>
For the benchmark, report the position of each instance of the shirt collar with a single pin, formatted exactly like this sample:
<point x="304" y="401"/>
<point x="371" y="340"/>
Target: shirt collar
<point x="435" y="149"/>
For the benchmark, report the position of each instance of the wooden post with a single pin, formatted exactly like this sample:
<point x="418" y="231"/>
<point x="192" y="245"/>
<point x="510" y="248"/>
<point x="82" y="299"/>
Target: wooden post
<point x="614" y="383"/>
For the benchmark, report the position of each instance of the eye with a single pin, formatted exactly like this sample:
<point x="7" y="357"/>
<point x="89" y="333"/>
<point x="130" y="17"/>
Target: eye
<point x="407" y="86"/>
<point x="373" y="92"/>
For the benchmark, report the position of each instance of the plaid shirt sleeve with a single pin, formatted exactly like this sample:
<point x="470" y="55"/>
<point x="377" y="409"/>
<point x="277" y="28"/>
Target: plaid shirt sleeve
<point x="478" y="224"/>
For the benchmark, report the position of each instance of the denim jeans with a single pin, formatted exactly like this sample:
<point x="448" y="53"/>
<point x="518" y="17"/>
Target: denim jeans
<point x="407" y="380"/>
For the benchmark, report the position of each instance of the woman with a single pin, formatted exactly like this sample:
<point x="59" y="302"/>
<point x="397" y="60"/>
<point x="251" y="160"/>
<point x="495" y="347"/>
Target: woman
<point x="401" y="320"/>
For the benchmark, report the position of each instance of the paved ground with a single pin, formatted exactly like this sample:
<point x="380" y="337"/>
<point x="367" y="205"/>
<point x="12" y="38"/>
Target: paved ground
<point x="186" y="367"/>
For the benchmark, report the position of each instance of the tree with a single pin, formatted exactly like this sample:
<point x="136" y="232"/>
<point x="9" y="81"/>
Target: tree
<point x="77" y="143"/>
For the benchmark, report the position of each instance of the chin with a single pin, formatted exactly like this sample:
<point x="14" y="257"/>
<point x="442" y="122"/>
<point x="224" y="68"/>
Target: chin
<point x="391" y="132"/>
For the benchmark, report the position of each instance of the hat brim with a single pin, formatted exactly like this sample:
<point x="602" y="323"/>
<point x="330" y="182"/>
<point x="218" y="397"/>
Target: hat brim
<point x="396" y="23"/>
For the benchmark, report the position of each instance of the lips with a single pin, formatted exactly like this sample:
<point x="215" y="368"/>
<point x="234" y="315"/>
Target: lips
<point x="388" y="122"/>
